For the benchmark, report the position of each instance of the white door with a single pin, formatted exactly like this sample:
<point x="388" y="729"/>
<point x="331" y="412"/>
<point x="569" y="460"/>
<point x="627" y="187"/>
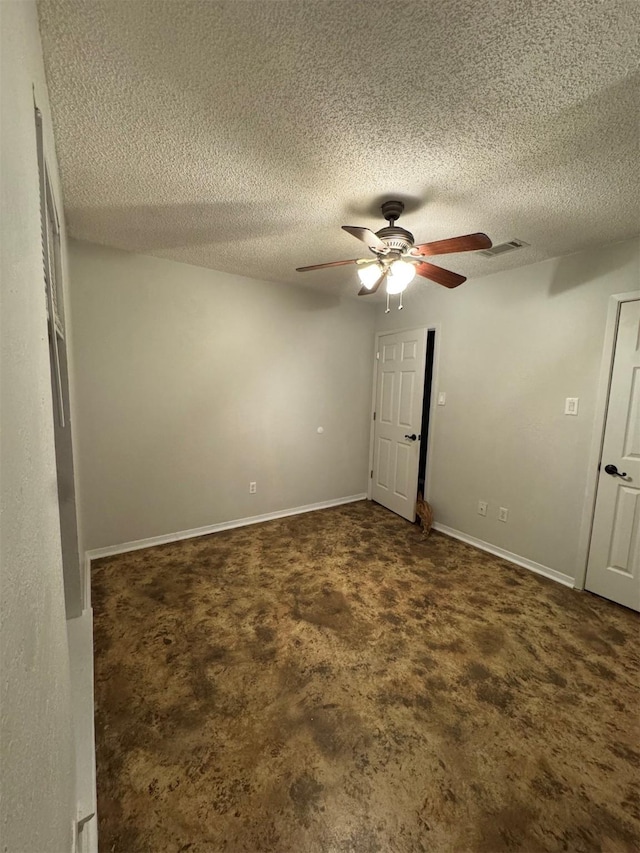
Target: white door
<point x="614" y="557"/>
<point x="398" y="419"/>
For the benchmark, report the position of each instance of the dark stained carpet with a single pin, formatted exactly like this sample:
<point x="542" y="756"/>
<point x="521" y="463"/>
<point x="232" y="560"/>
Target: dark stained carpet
<point x="335" y="682"/>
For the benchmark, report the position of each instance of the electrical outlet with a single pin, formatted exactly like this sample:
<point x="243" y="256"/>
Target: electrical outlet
<point x="482" y="507"/>
<point x="252" y="488"/>
<point x="503" y="513"/>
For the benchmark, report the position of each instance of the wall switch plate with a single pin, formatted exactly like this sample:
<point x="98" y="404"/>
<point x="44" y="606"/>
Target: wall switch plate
<point x="503" y="513"/>
<point x="252" y="488"/>
<point x="571" y="406"/>
<point x="482" y="507"/>
<point x="442" y="398"/>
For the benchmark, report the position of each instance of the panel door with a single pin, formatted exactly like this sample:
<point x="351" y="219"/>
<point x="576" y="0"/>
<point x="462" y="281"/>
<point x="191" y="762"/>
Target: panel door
<point x="399" y="393"/>
<point x="614" y="558"/>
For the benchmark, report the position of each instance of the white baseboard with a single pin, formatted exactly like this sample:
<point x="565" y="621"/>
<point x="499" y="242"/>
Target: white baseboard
<point x="164" y="539"/>
<point x="88" y="838"/>
<point x="80" y="640"/>
<point x="538" y="568"/>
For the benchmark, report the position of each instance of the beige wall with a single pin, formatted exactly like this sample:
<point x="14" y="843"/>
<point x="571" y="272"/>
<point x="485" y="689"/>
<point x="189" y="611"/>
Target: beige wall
<point x="37" y="797"/>
<point x="192" y="383"/>
<point x="512" y="347"/>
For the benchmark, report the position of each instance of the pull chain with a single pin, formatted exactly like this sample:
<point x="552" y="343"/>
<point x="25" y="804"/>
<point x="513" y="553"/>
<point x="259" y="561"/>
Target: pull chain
<point x="387" y="309"/>
<point x="400" y="306"/>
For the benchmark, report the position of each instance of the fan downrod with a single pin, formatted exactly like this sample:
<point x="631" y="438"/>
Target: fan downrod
<point x="398" y="239"/>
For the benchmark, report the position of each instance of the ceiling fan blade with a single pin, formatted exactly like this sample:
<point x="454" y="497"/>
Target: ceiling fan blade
<point x="365" y="291"/>
<point x="367" y="236"/>
<point x="467" y="243"/>
<point x="323" y="266"/>
<point x="440" y="275"/>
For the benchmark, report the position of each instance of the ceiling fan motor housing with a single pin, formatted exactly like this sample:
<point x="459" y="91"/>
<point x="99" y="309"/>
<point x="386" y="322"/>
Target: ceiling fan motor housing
<point x="396" y="238"/>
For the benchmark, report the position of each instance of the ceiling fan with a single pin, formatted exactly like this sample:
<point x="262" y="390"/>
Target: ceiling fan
<point x="396" y="257"/>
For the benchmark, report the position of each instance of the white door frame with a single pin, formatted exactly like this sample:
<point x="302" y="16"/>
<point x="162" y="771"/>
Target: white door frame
<point x="434" y="384"/>
<point x="602" y="400"/>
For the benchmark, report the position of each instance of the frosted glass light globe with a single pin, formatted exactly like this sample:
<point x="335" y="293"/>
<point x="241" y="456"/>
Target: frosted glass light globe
<point x="369" y="274"/>
<point x="400" y="274"/>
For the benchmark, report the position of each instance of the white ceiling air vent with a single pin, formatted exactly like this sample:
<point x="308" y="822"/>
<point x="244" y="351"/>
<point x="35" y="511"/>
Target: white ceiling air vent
<point x="501" y="248"/>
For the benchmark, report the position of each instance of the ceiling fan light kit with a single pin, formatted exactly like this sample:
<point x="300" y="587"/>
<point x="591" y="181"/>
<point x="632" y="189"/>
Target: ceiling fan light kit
<point x="401" y="273"/>
<point x="397" y="259"/>
<point x="369" y="274"/>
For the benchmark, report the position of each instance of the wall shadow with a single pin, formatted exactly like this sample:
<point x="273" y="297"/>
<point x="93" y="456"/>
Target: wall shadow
<point x="572" y="271"/>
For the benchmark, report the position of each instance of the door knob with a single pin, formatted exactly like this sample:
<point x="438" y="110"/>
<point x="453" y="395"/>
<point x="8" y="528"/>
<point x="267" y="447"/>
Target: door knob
<point x="612" y="470"/>
<point x="411" y="437"/>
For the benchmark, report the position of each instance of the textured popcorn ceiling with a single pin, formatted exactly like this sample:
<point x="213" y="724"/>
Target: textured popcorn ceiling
<point x="241" y="135"/>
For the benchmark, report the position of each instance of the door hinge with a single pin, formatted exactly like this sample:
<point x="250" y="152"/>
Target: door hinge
<point x="371" y="475"/>
<point x="377" y="356"/>
<point x="374" y="416"/>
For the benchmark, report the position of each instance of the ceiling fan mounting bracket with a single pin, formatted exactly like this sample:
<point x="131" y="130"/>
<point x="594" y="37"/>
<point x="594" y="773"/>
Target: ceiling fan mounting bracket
<point x="391" y="210"/>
